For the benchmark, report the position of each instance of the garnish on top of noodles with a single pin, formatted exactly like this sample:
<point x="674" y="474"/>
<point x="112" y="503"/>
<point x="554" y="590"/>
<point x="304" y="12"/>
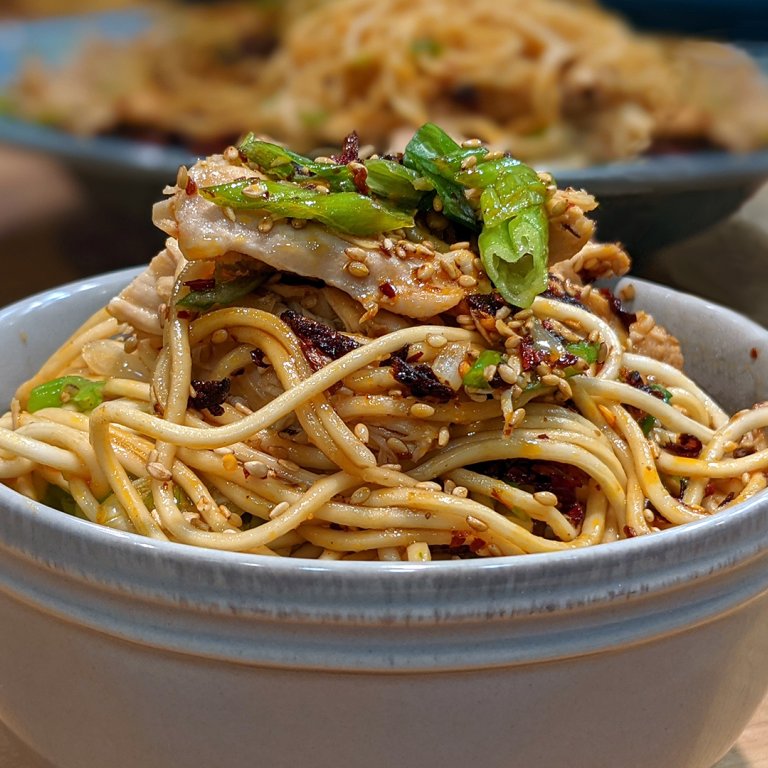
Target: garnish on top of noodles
<point x="377" y="357"/>
<point x="489" y="195"/>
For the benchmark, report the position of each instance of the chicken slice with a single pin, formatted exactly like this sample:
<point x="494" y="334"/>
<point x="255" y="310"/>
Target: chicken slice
<point x="140" y="303"/>
<point x="415" y="281"/>
<point x="648" y="338"/>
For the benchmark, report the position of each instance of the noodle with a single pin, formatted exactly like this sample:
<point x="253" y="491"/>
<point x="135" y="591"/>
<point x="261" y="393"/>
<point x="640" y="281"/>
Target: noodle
<point x="301" y="418"/>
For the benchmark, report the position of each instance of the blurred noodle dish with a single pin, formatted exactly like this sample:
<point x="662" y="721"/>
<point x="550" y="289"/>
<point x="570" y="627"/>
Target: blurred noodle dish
<point x="551" y="81"/>
<point x="378" y="358"/>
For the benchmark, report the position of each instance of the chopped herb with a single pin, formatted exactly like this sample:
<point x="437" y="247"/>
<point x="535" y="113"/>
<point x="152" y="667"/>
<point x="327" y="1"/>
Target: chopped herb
<point x="83" y="394"/>
<point x="475" y="376"/>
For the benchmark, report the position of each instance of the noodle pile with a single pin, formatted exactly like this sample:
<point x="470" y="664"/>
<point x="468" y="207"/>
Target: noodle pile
<point x="244" y="407"/>
<point x="548" y="80"/>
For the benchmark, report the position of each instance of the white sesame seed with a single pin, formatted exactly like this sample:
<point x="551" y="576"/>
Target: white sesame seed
<point x="471" y="143"/>
<point x="467" y="281"/>
<point x="421" y="411"/>
<point x="355" y="253"/>
<point x="397" y="446"/>
<point x="475" y="523"/>
<point x="425" y="271"/>
<point x="256" y="468"/>
<point x="361" y="433"/>
<point x="358" y="269"/>
<point x="266" y="224"/>
<point x="443" y="437"/>
<point x="460" y="491"/>
<point x="229" y="213"/>
<point x="436" y="340"/>
<point x="158" y="471"/>
<point x="279" y="509"/>
<point x="546" y="498"/>
<point x="360" y="495"/>
<point x="219" y="336"/>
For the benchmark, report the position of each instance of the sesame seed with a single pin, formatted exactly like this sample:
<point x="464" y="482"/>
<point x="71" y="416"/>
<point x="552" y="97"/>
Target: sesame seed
<point x="256" y="468"/>
<point x="229" y="213"/>
<point x="358" y="269"/>
<point x="449" y="268"/>
<point x="489" y="372"/>
<point x="425" y="271"/>
<point x="256" y="191"/>
<point x="279" y="509"/>
<point x="219" y="336"/>
<point x="468" y="162"/>
<point x="460" y="246"/>
<point x="546" y="498"/>
<point x="465" y="320"/>
<point x="460" y="491"/>
<point x="421" y="411"/>
<point x="507" y="373"/>
<point x="361" y="433"/>
<point x="397" y="446"/>
<point x="437" y="203"/>
<point x="493" y="550"/>
<point x="467" y="281"/>
<point x="232" y="154"/>
<point x="182" y="177"/>
<point x="475" y="523"/>
<point x="518" y="416"/>
<point x="158" y="471"/>
<point x="443" y="437"/>
<point x="436" y="340"/>
<point x="550" y="380"/>
<point x="265" y="225"/>
<point x="360" y="495"/>
<point x="131" y="344"/>
<point x="355" y="253"/>
<point x="449" y="486"/>
<point x="565" y="389"/>
<point x="471" y="143"/>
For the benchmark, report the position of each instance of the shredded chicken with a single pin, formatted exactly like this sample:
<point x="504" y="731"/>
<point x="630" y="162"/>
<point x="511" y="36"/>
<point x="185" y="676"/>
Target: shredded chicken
<point x="569" y="227"/>
<point x="648" y="338"/>
<point x="595" y="261"/>
<point x="140" y="303"/>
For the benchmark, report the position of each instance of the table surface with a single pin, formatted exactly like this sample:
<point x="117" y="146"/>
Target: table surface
<point x="42" y="205"/>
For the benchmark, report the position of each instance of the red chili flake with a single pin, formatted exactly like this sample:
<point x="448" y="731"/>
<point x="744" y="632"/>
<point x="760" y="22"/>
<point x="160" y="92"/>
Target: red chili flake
<point x="257" y="356"/>
<point x="754" y="353"/>
<point x="360" y="179"/>
<point x="350" y="150"/>
<point x="388" y="290"/>
<point x="185" y="314"/>
<point x="627" y="318"/>
<point x="201" y="284"/>
<point x="328" y="340"/>
<point x="476" y="544"/>
<point x="421" y="381"/>
<point x="629" y="532"/>
<point x="487" y="304"/>
<point x="685" y="445"/>
<point x="191" y="188"/>
<point x="209" y="395"/>
<point x="575" y="514"/>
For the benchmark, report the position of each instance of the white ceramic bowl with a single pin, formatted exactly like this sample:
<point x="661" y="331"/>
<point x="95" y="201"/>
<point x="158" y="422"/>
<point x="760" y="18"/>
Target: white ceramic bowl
<point x="120" y="652"/>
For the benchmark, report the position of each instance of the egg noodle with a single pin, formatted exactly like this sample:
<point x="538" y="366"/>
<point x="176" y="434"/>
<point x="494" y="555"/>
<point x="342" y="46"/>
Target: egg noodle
<point x="287" y="421"/>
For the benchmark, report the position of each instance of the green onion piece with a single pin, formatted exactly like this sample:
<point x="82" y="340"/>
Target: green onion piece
<point x="666" y="395"/>
<point x="280" y="163"/>
<point x="345" y="211"/>
<point x="395" y="182"/>
<point x="586" y="350"/>
<point x="84" y="394"/>
<point x="434" y="154"/>
<point x="647" y="423"/>
<point x="223" y="293"/>
<point x="474" y="376"/>
<point x="58" y="498"/>
<point x="514" y="255"/>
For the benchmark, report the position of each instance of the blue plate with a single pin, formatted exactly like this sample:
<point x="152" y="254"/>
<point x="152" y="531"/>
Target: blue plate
<point x="645" y="203"/>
